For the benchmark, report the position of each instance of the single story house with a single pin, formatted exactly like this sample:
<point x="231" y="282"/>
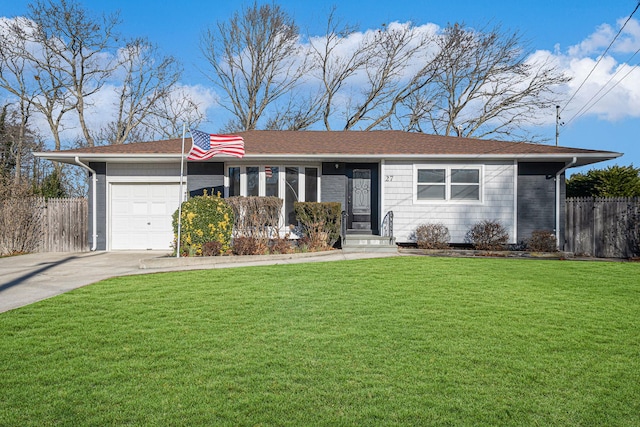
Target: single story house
<point x="135" y="188"/>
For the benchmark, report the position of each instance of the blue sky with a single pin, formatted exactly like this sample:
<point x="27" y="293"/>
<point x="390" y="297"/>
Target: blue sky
<point x="577" y="32"/>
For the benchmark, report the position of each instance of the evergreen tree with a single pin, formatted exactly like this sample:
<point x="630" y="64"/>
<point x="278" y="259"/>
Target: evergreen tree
<point x="614" y="181"/>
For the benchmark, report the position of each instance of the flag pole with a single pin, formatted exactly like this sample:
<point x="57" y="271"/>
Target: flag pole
<point x="184" y="130"/>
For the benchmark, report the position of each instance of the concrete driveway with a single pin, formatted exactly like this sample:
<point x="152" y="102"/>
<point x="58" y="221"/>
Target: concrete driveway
<point x="29" y="278"/>
<point x="26" y="279"/>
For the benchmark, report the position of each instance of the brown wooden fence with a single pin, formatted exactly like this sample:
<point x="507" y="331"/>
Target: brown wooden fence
<point x="33" y="224"/>
<point x="65" y="225"/>
<point x="603" y="227"/>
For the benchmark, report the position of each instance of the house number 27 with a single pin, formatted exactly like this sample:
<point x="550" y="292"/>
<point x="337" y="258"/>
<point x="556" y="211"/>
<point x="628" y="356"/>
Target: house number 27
<point x="388" y="178"/>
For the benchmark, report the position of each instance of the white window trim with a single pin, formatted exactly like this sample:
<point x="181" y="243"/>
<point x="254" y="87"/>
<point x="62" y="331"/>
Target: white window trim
<point x="262" y="183"/>
<point x="447" y="197"/>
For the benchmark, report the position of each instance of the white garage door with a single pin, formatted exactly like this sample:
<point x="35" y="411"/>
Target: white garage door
<point x="141" y="215"/>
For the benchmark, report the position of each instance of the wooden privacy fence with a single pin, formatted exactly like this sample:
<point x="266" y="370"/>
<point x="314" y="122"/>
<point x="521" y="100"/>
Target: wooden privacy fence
<point x="65" y="224"/>
<point x="33" y="224"/>
<point x="603" y="227"/>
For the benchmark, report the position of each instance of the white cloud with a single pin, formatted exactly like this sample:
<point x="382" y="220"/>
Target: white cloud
<point x="595" y="43"/>
<point x="629" y="39"/>
<point x="610" y="88"/>
<point x="204" y="97"/>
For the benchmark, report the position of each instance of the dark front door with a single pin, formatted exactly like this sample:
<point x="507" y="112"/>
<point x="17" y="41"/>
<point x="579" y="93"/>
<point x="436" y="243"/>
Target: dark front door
<point x="362" y="197"/>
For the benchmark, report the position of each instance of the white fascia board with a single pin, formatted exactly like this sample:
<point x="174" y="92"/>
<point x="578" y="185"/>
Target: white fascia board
<point x="114" y="158"/>
<point x="334" y="156"/>
<point x="583" y="158"/>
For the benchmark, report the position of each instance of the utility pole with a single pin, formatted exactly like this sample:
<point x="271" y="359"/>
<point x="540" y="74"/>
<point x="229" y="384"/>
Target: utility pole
<point x="557" y="123"/>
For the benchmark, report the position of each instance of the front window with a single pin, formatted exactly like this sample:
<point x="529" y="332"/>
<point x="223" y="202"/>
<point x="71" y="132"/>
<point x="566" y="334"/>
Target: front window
<point x="290" y="183"/>
<point x="311" y="184"/>
<point x="253" y="181"/>
<point x="234" y="182"/>
<point x="431" y="184"/>
<point x="465" y="184"/>
<point x="291" y="191"/>
<point x="271" y="178"/>
<point x="461" y="184"/>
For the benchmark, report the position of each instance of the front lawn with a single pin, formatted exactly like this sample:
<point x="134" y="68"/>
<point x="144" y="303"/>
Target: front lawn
<point x="398" y="341"/>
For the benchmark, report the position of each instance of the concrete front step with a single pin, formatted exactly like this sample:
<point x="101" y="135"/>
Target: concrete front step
<point x="368" y="243"/>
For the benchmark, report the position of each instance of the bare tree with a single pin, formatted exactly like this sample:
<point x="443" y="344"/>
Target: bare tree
<point x="457" y="81"/>
<point x="171" y="112"/>
<point x="59" y="58"/>
<point x="62" y="49"/>
<point x="300" y="113"/>
<point x="398" y="62"/>
<point x="147" y="79"/>
<point x="8" y="148"/>
<point x="74" y="45"/>
<point x="16" y="143"/>
<point x="15" y="120"/>
<point x="486" y="86"/>
<point x="255" y="60"/>
<point x="334" y="64"/>
<point x="21" y="77"/>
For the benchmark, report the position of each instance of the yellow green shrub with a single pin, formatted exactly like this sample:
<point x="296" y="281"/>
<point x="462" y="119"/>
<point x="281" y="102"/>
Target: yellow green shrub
<point x="205" y="219"/>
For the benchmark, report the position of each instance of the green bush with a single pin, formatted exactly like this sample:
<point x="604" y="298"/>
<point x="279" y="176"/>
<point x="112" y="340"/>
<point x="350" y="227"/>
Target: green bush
<point x="204" y="219"/>
<point x="320" y="222"/>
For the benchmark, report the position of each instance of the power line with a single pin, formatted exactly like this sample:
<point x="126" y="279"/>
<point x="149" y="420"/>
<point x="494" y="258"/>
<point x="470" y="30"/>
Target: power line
<point x="587" y="107"/>
<point x="601" y="56"/>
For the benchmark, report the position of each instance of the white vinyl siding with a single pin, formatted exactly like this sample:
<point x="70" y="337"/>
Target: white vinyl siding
<point x="495" y="191"/>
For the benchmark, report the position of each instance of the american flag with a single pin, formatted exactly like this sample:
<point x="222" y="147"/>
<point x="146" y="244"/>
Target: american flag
<point x="268" y="171"/>
<point x="204" y="145"/>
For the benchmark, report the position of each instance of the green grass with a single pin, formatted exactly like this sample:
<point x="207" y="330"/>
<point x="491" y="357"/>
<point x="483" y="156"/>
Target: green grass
<point x="401" y="341"/>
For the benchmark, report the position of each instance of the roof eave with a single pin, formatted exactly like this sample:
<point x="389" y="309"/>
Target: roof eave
<point x="63" y="157"/>
<point x="583" y="158"/>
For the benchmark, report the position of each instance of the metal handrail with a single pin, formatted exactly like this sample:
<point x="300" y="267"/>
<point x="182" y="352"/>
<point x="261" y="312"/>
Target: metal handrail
<point x="343" y="226"/>
<point x="386" y="227"/>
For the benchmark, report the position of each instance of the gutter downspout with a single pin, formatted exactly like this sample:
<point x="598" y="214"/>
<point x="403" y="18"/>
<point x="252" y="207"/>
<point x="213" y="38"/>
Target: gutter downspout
<point x="558" y="174"/>
<point x="94" y="212"/>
